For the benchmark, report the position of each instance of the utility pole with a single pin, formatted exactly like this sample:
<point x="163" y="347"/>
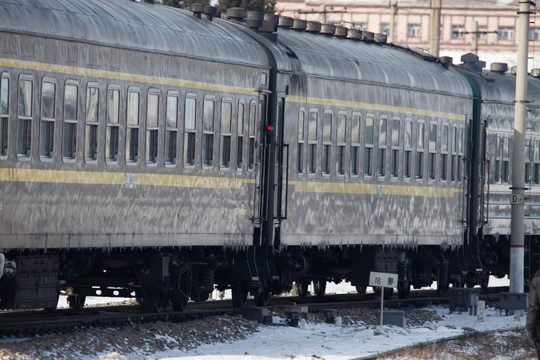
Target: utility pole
<point x="517" y="240"/>
<point x="435" y="33"/>
<point x="393" y="12"/>
<point x="323" y="14"/>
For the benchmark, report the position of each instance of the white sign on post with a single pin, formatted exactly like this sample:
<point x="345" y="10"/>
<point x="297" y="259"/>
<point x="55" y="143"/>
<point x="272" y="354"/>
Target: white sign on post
<point x="382" y="280"/>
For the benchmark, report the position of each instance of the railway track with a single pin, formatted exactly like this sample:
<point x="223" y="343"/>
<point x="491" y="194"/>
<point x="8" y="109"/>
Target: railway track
<point x="24" y="323"/>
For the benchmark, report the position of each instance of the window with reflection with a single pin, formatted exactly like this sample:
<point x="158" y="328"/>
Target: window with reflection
<point x="369" y="142"/>
<point x="113" y="133"/>
<point x="152" y="129"/>
<point x="171" y="129"/>
<point x="4" y="114"/>
<point x="432" y="148"/>
<point x="132" y="133"/>
<point x="327" y="143"/>
<point x="189" y="130"/>
<point x="208" y="133"/>
<point x="340" y="153"/>
<point x="382" y="146"/>
<point x="419" y="162"/>
<point x="48" y="115"/>
<point x="394" y="161"/>
<point x="301" y="139"/>
<point x="312" y="141"/>
<point x="69" y="133"/>
<point x="240" y="136"/>
<point x="226" y="135"/>
<point x="91" y="129"/>
<point x="407" y="145"/>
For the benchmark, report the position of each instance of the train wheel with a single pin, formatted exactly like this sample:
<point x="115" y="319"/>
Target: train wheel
<point x="302" y="287"/>
<point x="388" y="292"/>
<point x="262" y="296"/>
<point x="155" y="301"/>
<point x="76" y="302"/>
<point x="360" y="289"/>
<point x="442" y="290"/>
<point x="239" y="294"/>
<point x="404" y="288"/>
<point x="182" y="289"/>
<point x="319" y="286"/>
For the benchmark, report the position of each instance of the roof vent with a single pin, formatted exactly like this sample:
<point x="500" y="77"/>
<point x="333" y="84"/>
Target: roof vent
<point x="285" y="22"/>
<point x="446" y="61"/>
<point x="197" y="9"/>
<point x="210" y="12"/>
<point x="328" y="29"/>
<point x="368" y="36"/>
<point x="471" y="62"/>
<point x="299" y="25"/>
<point x="236" y="13"/>
<point x="354" y="34"/>
<point x="380" y="38"/>
<point x="313" y="27"/>
<point x="270" y="23"/>
<point x="535" y="73"/>
<point x="254" y="19"/>
<point x="340" y="31"/>
<point x="500" y="68"/>
<point x="513" y="70"/>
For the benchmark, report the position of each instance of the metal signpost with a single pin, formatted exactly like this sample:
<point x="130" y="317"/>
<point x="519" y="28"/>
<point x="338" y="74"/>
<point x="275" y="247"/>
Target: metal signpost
<point x="382" y="280"/>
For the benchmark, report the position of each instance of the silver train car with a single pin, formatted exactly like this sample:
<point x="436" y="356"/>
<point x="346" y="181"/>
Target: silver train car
<point x="156" y="153"/>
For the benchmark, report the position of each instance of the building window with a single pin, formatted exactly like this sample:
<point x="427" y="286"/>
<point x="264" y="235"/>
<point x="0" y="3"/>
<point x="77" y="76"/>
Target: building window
<point x="384" y="28"/>
<point x="48" y="114"/>
<point x="240" y="138"/>
<point x="368" y="152"/>
<point x="189" y="130"/>
<point x="407" y="143"/>
<point x="482" y="32"/>
<point x="91" y="130"/>
<point x="225" y="143"/>
<point x="252" y="131"/>
<point x="528" y="161"/>
<point x="69" y="133"/>
<point x="458" y="31"/>
<point x="208" y="133"/>
<point x="536" y="166"/>
<point x="444" y="151"/>
<point x="171" y="131"/>
<point x="4" y="114"/>
<point x="301" y="138"/>
<point x="382" y="147"/>
<point x="420" y="151"/>
<point x="327" y="143"/>
<point x="413" y="30"/>
<point x="355" y="144"/>
<point x="132" y="134"/>
<point x="340" y="155"/>
<point x="534" y="34"/>
<point x="152" y="129"/>
<point x="506" y="33"/>
<point x="432" y="148"/>
<point x="113" y="115"/>
<point x="312" y="141"/>
<point x="394" y="161"/>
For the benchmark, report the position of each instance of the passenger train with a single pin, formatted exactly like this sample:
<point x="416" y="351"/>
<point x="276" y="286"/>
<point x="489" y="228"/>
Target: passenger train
<point x="158" y="153"/>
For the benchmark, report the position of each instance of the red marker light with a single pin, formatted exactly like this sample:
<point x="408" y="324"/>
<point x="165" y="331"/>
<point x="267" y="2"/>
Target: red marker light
<point x="269" y="128"/>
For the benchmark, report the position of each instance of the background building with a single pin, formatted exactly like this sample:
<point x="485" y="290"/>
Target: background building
<point x="496" y="21"/>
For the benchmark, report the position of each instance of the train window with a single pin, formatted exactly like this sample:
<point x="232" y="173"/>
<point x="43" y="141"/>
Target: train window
<point x="497" y="164"/>
<point x="327" y="143"/>
<point x="420" y="151"/>
<point x="113" y="115"/>
<point x="69" y="133"/>
<point x="132" y="133"/>
<point x="24" y="122"/>
<point x="528" y="161"/>
<point x="48" y="114"/>
<point x="368" y="153"/>
<point x="208" y="132"/>
<point x="460" y="152"/>
<point x="355" y="144"/>
<point x="394" y="161"/>
<point x="312" y="141"/>
<point x="505" y="160"/>
<point x="240" y="138"/>
<point x="91" y="131"/>
<point x="189" y="130"/>
<point x="407" y="149"/>
<point x="536" y="166"/>
<point x="171" y="132"/>
<point x="152" y="130"/>
<point x="4" y="114"/>
<point x="225" y="141"/>
<point x="432" y="147"/>
<point x="252" y="116"/>
<point x="444" y="151"/>
<point x="454" y="154"/>
<point x="340" y="154"/>
<point x="301" y="138"/>
<point x="382" y="146"/>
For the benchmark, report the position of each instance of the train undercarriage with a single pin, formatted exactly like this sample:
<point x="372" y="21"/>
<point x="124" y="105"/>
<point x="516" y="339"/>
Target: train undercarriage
<point x="170" y="277"/>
